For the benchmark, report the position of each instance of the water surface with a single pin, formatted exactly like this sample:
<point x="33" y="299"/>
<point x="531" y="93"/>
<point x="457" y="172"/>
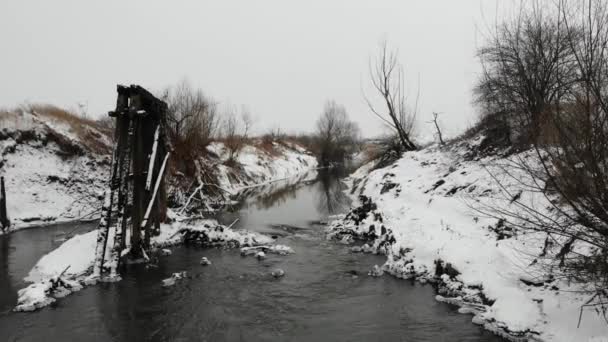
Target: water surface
<point x="325" y="295"/>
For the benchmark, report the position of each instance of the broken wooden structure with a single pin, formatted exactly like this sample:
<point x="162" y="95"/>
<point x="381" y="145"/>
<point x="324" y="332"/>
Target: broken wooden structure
<point x="4" y="221"/>
<point x="135" y="200"/>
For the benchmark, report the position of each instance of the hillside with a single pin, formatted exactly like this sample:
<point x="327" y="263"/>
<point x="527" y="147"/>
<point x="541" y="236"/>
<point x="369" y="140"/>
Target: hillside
<point x="428" y="213"/>
<point x="55" y="165"/>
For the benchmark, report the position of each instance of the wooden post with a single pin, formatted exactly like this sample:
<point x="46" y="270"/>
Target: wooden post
<point x="124" y="198"/>
<point x="138" y="166"/>
<point x="140" y="121"/>
<point x="3" y="215"/>
<point x="114" y="183"/>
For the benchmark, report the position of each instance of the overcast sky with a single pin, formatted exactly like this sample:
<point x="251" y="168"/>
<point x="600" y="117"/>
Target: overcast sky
<point x="281" y="58"/>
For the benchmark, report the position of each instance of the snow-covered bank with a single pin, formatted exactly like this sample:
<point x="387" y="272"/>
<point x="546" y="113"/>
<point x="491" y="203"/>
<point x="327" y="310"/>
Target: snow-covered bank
<point x="420" y="212"/>
<point x="256" y="166"/>
<point x="51" y="174"/>
<point x="56" y="166"/>
<point x="67" y="268"/>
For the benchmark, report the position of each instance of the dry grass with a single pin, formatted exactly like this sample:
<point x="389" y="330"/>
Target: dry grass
<point x="89" y="132"/>
<point x="266" y="145"/>
<point x="372" y="152"/>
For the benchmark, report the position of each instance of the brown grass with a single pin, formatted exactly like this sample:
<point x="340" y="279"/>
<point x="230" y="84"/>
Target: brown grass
<point x="89" y="132"/>
<point x="266" y="145"/>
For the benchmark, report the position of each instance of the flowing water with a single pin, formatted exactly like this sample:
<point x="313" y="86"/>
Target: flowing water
<point x="325" y="294"/>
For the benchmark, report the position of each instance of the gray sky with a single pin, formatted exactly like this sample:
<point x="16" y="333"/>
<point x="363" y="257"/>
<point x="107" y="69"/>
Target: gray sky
<point x="281" y="58"/>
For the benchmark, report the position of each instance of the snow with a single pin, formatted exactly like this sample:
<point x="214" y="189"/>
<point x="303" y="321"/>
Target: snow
<point x="174" y="277"/>
<point x="44" y="184"/>
<point x="277" y="273"/>
<point x="79" y="258"/>
<point x="431" y="224"/>
<point x="259" y="167"/>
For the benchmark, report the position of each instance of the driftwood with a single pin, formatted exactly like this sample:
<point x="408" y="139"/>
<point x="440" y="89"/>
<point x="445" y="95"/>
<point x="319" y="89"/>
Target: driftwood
<point x="196" y="191"/>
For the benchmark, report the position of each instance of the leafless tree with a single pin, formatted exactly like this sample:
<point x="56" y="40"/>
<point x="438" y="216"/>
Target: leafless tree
<point x="435" y="122"/>
<point x="526" y="68"/>
<point x="569" y="165"/>
<point x="387" y="78"/>
<point x="336" y="136"/>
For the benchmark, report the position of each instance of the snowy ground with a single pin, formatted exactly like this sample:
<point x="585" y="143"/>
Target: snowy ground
<point x="421" y="213"/>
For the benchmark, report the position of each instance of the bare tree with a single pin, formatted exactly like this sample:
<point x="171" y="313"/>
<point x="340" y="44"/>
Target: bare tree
<point x="526" y="68"/>
<point x="569" y="166"/>
<point x="387" y="78"/>
<point x="336" y="136"/>
<point x="437" y="128"/>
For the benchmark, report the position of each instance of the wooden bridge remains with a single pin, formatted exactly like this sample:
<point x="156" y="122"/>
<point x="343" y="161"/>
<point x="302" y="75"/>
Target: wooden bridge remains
<point x="4" y="221"/>
<point x="135" y="199"/>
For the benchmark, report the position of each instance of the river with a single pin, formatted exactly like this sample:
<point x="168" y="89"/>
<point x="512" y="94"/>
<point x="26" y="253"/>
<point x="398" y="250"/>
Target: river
<point x="325" y="295"/>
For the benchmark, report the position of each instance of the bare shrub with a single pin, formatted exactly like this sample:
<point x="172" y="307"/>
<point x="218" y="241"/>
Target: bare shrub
<point x="267" y="141"/>
<point x="192" y="122"/>
<point x="387" y="151"/>
<point x="236" y="128"/>
<point x="107" y="125"/>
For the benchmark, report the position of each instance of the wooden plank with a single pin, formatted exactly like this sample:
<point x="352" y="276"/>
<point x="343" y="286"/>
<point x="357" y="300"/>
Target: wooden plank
<point x="156" y="187"/>
<point x="4" y="221"/>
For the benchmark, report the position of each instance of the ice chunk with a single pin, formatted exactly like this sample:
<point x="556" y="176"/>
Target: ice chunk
<point x="278" y="273"/>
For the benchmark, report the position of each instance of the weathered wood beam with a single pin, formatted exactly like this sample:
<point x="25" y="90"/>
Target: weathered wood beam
<point x="156" y="187"/>
<point x="4" y="221"/>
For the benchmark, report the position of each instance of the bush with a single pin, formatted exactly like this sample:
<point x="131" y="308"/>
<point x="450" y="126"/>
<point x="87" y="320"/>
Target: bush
<point x="235" y="131"/>
<point x="192" y="123"/>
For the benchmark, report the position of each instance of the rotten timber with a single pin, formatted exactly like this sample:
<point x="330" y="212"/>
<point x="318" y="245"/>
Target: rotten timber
<point x="132" y="211"/>
<point x="4" y="221"/>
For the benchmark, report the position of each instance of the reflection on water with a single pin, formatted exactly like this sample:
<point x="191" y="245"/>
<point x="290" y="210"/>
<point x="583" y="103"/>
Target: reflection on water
<point x="274" y="193"/>
<point x="325" y="295"/>
<point x="330" y="196"/>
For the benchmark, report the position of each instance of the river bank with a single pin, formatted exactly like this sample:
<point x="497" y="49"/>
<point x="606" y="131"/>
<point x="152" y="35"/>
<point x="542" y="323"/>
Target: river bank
<point x="422" y="212"/>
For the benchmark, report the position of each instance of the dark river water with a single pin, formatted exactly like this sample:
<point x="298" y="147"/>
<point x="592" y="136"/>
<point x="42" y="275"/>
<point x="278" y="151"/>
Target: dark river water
<point x="236" y="298"/>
